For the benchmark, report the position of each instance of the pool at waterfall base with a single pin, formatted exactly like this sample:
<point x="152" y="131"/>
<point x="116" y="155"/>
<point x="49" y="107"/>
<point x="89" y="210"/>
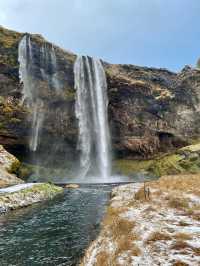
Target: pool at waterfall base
<point x="55" y="232"/>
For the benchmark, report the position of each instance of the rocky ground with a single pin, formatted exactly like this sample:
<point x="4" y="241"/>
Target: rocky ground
<point x="14" y="193"/>
<point x="156" y="223"/>
<point x="8" y="165"/>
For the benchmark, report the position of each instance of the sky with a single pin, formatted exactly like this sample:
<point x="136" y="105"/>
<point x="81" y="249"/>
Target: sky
<point x="156" y="33"/>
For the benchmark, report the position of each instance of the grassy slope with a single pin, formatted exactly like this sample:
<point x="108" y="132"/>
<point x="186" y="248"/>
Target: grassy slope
<point x="185" y="160"/>
<point x="155" y="229"/>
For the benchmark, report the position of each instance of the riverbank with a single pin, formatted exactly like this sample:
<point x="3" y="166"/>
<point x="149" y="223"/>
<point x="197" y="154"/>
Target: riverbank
<point x="23" y="195"/>
<point x="156" y="223"/>
<point x="53" y="232"/>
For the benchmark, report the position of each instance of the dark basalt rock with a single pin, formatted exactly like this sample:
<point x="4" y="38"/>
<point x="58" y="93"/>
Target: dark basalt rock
<point x="151" y="111"/>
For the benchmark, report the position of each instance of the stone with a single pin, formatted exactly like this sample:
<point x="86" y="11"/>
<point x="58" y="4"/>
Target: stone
<point x="74" y="186"/>
<point x="7" y="179"/>
<point x="8" y="161"/>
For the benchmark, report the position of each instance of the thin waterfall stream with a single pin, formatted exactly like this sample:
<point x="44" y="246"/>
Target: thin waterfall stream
<point x="32" y="94"/>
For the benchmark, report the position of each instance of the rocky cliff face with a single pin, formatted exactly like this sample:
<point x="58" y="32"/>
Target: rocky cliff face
<point x="151" y="111"/>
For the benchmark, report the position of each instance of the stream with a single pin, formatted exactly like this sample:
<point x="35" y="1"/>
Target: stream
<point x="56" y="232"/>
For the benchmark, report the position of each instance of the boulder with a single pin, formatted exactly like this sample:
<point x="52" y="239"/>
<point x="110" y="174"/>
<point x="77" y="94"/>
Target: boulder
<point x="8" y="165"/>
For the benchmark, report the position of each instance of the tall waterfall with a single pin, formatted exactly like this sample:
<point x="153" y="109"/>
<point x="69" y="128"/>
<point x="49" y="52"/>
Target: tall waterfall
<point x="31" y="79"/>
<point x="91" y="111"/>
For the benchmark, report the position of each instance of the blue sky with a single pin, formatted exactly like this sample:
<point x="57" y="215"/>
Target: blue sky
<point x="159" y="33"/>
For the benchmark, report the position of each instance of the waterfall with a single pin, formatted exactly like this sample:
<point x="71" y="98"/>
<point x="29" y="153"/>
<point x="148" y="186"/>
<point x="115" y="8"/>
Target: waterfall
<point x="25" y="59"/>
<point x="91" y="111"/>
<point x="49" y="68"/>
<point x="38" y="117"/>
<point x="26" y="66"/>
<point x="32" y="93"/>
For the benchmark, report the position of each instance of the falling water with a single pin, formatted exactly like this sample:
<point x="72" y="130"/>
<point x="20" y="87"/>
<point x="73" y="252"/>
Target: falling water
<point x="25" y="59"/>
<point x="31" y="84"/>
<point x="91" y="111"/>
<point x="38" y="117"/>
<point x="48" y="61"/>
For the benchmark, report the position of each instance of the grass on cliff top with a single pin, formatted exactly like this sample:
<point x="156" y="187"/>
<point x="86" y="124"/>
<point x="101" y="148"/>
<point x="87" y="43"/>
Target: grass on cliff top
<point x="9" y="38"/>
<point x="9" y="47"/>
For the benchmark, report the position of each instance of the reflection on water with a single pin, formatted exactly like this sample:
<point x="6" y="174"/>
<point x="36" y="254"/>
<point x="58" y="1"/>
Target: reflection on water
<point x="55" y="232"/>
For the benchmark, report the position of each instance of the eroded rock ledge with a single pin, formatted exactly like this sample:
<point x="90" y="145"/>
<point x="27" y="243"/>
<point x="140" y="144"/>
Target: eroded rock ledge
<point x="155" y="224"/>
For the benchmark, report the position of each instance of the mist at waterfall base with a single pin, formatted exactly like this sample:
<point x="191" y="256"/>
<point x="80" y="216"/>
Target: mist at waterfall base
<point x="57" y="163"/>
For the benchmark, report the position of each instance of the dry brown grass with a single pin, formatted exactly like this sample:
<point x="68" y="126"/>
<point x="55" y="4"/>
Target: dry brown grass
<point x="183" y="223"/>
<point x="196" y="251"/>
<point x="180" y="244"/>
<point x="102" y="259"/>
<point x="183" y="246"/>
<point x="126" y="246"/>
<point x="187" y="183"/>
<point x="125" y="243"/>
<point x="196" y="216"/>
<point x="179" y="263"/>
<point x="122" y="233"/>
<point x="122" y="226"/>
<point x="158" y="236"/>
<point x="178" y="203"/>
<point x="182" y="236"/>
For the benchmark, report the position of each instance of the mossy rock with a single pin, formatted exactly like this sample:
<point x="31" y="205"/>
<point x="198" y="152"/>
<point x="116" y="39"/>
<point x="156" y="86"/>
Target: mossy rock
<point x="25" y="171"/>
<point x="9" y="46"/>
<point x="14" y="167"/>
<point x="46" y="188"/>
<point x="128" y="167"/>
<point x="28" y="196"/>
<point x="184" y="161"/>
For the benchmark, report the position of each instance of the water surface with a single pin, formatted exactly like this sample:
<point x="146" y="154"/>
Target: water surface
<point x="53" y="233"/>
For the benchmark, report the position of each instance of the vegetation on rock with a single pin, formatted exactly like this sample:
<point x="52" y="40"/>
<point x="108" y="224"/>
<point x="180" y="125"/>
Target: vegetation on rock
<point x="184" y="160"/>
<point x="28" y="196"/>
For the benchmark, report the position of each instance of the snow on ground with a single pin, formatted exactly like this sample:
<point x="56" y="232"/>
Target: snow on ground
<point x="18" y="187"/>
<point x="153" y="224"/>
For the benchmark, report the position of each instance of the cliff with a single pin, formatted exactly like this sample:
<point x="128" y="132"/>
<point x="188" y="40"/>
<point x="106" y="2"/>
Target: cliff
<point x="151" y="111"/>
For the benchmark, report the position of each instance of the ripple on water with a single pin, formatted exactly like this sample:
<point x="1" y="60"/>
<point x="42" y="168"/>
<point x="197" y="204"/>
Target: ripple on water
<point x="55" y="232"/>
